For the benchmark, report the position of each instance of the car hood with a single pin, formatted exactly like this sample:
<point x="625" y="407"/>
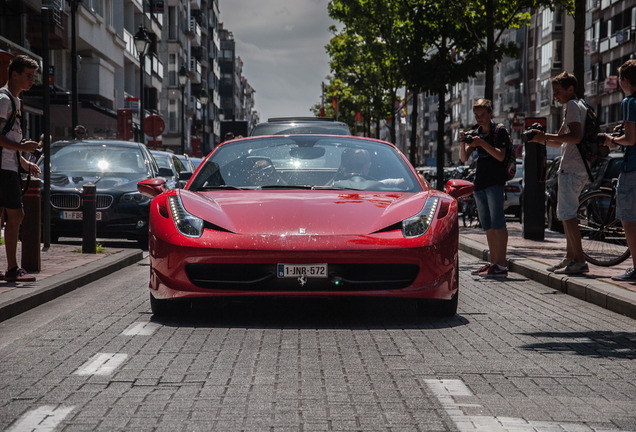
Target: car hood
<point x="303" y="212"/>
<point x="106" y="182"/>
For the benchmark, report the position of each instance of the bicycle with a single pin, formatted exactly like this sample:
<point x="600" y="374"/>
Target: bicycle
<point x="602" y="234"/>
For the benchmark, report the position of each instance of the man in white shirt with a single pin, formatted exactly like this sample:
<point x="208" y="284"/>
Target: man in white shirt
<point x="21" y="76"/>
<point x="572" y="172"/>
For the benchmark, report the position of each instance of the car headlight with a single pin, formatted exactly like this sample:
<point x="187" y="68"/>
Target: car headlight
<point x="417" y="225"/>
<point x="187" y="224"/>
<point x="134" y="197"/>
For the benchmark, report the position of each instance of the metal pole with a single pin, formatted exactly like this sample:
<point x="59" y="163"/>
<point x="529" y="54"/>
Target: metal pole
<point x="74" y="96"/>
<point x="46" y="221"/>
<point x="182" y="120"/>
<point x="142" y="65"/>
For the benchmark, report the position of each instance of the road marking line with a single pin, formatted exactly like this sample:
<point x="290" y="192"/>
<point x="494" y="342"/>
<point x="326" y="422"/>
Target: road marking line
<point x="447" y="390"/>
<point x="43" y="419"/>
<point x="102" y="364"/>
<point x="141" y="329"/>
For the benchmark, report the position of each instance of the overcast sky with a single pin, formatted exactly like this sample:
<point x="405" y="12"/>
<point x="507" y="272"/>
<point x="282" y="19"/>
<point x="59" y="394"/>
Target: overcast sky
<point x="282" y="45"/>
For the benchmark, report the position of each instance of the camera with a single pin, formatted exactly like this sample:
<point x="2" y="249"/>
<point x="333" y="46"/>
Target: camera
<point x="530" y="133"/>
<point x="470" y="136"/>
<point x="620" y="131"/>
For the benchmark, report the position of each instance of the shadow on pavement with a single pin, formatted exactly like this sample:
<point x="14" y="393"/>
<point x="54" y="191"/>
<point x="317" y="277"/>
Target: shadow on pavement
<point x="294" y="313"/>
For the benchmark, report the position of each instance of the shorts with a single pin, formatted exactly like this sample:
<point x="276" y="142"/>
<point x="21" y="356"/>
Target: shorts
<point x="570" y="187"/>
<point x="490" y="207"/>
<point x="626" y="197"/>
<point x="10" y="190"/>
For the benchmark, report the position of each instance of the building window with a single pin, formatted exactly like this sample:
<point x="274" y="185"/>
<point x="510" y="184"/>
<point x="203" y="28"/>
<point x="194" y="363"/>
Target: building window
<point x="546" y="57"/>
<point x="172" y="70"/>
<point x="172" y="116"/>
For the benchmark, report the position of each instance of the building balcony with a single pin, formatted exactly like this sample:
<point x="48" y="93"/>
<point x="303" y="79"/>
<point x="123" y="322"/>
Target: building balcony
<point x="58" y="30"/>
<point x="591" y="88"/>
<point x="512" y="72"/>
<point x="195" y="71"/>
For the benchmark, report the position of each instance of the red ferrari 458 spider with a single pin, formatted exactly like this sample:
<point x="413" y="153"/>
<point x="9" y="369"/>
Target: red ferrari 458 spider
<point x="304" y="215"/>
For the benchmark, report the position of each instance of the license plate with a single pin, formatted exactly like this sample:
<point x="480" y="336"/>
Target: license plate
<point x="77" y="215"/>
<point x="298" y="270"/>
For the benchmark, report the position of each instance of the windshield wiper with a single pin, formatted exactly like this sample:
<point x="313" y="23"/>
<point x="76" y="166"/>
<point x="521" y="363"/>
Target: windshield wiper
<point x="308" y="187"/>
<point x="217" y="187"/>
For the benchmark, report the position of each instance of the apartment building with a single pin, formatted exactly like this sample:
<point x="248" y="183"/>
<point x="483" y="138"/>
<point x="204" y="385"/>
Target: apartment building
<point x="98" y="58"/>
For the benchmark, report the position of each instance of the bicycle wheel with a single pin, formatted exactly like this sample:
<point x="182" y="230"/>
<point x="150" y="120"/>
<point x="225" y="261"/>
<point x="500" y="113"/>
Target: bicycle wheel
<point x="602" y="235"/>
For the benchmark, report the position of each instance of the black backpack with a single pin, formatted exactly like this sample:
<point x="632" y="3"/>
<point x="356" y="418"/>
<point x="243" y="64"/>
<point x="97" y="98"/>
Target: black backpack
<point x="590" y="146"/>
<point x="510" y="160"/>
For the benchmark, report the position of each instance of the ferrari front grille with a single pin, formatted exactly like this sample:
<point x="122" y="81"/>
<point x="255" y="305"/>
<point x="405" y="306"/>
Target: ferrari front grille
<point x="262" y="277"/>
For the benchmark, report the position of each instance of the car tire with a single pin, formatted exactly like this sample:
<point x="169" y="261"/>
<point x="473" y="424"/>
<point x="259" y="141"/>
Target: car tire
<point x="159" y="308"/>
<point x="438" y="308"/>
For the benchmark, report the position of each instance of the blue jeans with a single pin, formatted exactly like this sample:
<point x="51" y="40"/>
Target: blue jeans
<point x="490" y="206"/>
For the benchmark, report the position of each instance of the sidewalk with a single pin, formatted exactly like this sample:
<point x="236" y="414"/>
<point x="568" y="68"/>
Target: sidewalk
<point x="64" y="268"/>
<point x="530" y="258"/>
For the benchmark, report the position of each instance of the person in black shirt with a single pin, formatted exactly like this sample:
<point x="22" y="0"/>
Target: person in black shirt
<point x="490" y="144"/>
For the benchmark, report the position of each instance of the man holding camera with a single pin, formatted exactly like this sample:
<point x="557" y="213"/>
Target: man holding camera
<point x="21" y="77"/>
<point x="572" y="174"/>
<point x="626" y="187"/>
<point x="491" y="142"/>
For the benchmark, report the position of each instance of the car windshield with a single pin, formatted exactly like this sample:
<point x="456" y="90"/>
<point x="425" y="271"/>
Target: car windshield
<point x="97" y="160"/>
<point x="163" y="161"/>
<point x="307" y="162"/>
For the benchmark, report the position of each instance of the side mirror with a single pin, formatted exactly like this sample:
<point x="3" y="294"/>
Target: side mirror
<point x="459" y="188"/>
<point x="152" y="187"/>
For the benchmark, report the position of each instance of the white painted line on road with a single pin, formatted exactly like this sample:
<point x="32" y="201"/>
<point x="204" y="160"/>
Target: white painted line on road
<point x="102" y="364"/>
<point x="447" y="390"/>
<point x="43" y="419"/>
<point x="141" y="329"/>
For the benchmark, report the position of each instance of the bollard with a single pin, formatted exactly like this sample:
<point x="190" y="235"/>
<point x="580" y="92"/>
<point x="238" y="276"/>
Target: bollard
<point x="89" y="223"/>
<point x="30" y="228"/>
<point x="534" y="163"/>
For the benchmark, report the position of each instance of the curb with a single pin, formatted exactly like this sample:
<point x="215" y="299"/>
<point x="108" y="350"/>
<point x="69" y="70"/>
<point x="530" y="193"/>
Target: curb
<point x="598" y="292"/>
<point x="25" y="298"/>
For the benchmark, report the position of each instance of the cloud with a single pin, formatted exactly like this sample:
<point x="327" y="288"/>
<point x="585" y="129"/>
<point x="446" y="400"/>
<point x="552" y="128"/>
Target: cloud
<point x="282" y="45"/>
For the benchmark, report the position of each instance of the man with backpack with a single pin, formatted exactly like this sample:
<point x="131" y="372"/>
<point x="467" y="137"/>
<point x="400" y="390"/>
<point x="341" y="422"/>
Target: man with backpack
<point x="626" y="187"/>
<point x="21" y="76"/>
<point x="572" y="174"/>
<point x="494" y="149"/>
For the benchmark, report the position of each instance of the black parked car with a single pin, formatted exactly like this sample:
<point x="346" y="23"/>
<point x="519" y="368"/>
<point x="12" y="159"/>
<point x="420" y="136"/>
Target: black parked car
<point x="115" y="167"/>
<point x="300" y="125"/>
<point x="603" y="171"/>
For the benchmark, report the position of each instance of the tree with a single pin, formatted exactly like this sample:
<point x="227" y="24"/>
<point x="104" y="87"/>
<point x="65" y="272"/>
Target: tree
<point x="369" y="32"/>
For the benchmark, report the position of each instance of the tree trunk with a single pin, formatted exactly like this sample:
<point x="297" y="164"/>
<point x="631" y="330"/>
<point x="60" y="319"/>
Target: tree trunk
<point x="579" y="46"/>
<point x="489" y="92"/>
<point x="441" y="135"/>
<point x="413" y="148"/>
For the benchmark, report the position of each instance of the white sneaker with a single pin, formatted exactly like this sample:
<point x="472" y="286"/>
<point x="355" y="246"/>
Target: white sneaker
<point x="574" y="268"/>
<point x="561" y="264"/>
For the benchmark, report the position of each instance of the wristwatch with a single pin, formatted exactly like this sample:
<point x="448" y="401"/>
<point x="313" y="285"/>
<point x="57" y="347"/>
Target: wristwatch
<point x="613" y="142"/>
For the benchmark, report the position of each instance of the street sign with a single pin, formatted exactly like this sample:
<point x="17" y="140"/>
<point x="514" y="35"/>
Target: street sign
<point x="154" y="126"/>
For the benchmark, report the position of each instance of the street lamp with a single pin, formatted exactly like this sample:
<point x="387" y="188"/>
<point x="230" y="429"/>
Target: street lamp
<point x="183" y="79"/>
<point x="203" y="98"/>
<point x="74" y="96"/>
<point x="142" y="43"/>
